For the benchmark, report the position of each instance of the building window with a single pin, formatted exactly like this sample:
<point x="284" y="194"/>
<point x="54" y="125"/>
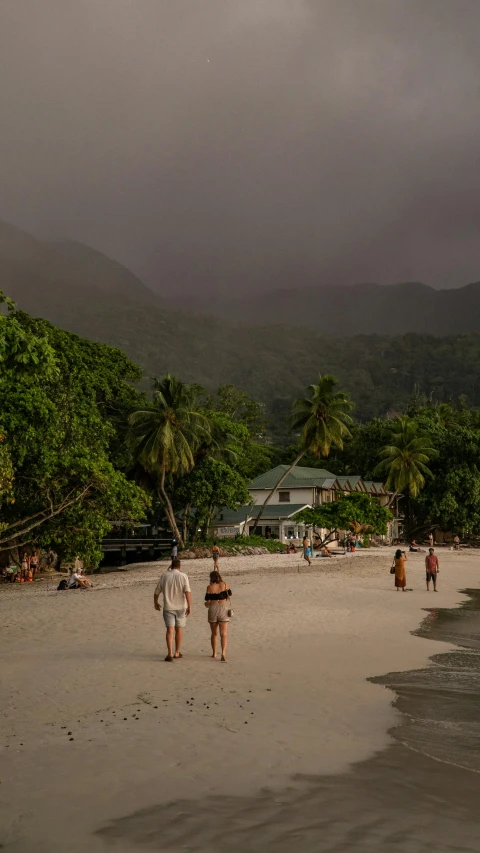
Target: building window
<point x="284" y="497"/>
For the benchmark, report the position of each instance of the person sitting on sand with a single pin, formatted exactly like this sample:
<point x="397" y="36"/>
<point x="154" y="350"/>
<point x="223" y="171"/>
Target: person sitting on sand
<point x="416" y="548"/>
<point x="325" y="552"/>
<point x="432" y="569"/>
<point x="217" y="599"/>
<point x="292" y="548"/>
<point x="456" y="543"/>
<point x="77" y="581"/>
<point x="400" y="574"/>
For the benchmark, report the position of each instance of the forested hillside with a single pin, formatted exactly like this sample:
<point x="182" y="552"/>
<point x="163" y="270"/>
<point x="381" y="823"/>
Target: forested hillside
<point x="272" y="363"/>
<point x="83" y="291"/>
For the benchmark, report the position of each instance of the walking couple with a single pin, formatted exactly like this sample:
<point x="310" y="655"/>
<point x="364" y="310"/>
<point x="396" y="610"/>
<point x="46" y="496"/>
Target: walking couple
<point x="177" y="605"/>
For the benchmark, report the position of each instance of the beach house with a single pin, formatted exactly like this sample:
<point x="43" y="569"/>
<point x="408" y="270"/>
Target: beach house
<point x="301" y="488"/>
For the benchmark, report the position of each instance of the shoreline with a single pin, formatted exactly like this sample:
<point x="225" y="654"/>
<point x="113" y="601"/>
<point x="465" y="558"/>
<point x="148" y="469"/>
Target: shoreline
<point x="303" y="671"/>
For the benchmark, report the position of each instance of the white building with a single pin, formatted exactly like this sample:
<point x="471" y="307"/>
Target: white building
<point x="302" y="488"/>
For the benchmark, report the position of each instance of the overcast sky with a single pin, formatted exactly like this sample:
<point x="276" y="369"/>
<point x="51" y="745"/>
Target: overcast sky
<point x="271" y="142"/>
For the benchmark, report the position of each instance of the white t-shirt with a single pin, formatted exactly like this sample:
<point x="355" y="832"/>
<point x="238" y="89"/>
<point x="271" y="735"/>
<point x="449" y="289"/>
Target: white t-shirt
<point x="173" y="585"/>
<point x="73" y="579"/>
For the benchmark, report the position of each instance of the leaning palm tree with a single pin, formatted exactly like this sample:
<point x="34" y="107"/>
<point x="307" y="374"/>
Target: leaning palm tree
<point x="405" y="459"/>
<point x="165" y="436"/>
<point x="323" y="418"/>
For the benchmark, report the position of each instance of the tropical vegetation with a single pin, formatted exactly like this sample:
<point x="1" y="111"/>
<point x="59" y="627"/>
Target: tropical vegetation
<point x="85" y="440"/>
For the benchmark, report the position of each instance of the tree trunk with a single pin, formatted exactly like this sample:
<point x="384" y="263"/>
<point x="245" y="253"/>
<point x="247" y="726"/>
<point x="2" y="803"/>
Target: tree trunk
<point x="186" y="513"/>
<point x="169" y="510"/>
<point x="277" y="486"/>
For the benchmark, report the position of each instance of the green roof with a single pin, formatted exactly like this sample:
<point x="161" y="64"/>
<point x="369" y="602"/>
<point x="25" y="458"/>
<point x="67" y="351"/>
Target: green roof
<point x="297" y="477"/>
<point x="272" y="512"/>
<point x="233" y="516"/>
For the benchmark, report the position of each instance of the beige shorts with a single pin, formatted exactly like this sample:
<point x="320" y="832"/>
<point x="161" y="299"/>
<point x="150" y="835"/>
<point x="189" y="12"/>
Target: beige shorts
<point x="218" y="611"/>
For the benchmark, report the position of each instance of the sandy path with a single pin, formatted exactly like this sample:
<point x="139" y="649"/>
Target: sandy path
<point x="292" y="698"/>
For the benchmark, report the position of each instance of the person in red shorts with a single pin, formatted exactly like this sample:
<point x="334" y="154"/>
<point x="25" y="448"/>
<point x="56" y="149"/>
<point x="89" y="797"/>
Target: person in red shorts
<point x="432" y="569"/>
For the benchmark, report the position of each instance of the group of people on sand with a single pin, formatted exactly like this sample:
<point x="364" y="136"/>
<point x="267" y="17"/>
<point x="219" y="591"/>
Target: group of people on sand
<point x="432" y="569"/>
<point x="174" y="586"/>
<point x="26" y="572"/>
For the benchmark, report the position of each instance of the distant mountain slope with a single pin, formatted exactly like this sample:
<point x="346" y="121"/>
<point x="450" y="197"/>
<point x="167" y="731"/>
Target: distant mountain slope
<point x="85" y="292"/>
<point x="359" y="309"/>
<point x="273" y="363"/>
<point x="27" y="265"/>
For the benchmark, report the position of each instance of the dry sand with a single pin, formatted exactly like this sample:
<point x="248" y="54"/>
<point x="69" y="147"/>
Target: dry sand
<point x="95" y="725"/>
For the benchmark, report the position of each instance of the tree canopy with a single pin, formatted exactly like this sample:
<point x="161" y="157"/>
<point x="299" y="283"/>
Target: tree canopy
<point x="62" y="399"/>
<point x="348" y="510"/>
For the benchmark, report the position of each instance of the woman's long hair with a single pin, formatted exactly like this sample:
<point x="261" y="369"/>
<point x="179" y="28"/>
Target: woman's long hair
<point x="398" y="554"/>
<point x="215" y="577"/>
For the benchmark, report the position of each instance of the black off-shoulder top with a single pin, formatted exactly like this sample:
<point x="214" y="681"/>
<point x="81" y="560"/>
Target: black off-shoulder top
<point x="218" y="596"/>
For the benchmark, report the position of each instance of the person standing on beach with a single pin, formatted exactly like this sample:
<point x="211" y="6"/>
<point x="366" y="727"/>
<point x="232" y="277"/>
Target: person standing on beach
<point x="215" y="555"/>
<point x="432" y="569"/>
<point x="400" y="573"/>
<point x="456" y="542"/>
<point x="34" y="564"/>
<point x="217" y="599"/>
<point x="177" y="605"/>
<point x="431" y="540"/>
<point x="307" y="550"/>
<point x="25" y="567"/>
<point x="174" y="552"/>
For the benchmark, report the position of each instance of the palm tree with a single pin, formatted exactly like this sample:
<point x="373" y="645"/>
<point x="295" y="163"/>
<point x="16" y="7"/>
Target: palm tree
<point x="323" y="418"/>
<point x="166" y="435"/>
<point x="405" y="459"/>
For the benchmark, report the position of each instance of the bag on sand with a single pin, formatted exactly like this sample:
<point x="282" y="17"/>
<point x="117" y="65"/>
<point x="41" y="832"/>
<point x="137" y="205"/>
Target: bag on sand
<point x="63" y="584"/>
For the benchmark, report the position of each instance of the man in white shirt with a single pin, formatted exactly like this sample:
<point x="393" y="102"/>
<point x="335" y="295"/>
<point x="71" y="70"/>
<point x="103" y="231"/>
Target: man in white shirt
<point x="177" y="605"/>
<point x="76" y="580"/>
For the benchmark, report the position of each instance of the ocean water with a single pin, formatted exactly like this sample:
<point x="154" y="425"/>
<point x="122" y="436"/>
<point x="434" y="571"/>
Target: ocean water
<point x="420" y="794"/>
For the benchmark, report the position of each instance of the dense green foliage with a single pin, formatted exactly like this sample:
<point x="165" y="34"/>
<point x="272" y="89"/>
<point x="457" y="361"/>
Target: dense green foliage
<point x="356" y="511"/>
<point x="80" y="445"/>
<point x="273" y="364"/>
<point x="404" y="459"/>
<point x="62" y="400"/>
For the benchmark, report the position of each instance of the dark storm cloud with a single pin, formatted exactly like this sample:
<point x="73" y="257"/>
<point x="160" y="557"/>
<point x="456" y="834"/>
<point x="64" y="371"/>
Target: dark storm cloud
<point x="273" y="142"/>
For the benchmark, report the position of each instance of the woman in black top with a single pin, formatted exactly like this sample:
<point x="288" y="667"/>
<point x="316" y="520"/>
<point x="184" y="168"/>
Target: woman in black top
<point x="217" y="599"/>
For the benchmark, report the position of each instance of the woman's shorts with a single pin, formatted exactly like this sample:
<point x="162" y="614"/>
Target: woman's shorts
<point x="218" y="611"/>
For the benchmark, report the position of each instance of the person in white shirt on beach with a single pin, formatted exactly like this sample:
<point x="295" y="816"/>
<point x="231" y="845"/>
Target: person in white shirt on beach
<point x="177" y="605"/>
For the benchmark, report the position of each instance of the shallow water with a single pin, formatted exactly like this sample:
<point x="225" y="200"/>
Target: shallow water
<point x="420" y="794"/>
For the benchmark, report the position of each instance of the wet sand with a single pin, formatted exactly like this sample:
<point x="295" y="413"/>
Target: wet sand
<point x="285" y="746"/>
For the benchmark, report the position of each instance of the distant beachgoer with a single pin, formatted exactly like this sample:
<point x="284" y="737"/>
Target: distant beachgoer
<point x="77" y="581"/>
<point x="414" y="547"/>
<point x="432" y="569"/>
<point x="34" y="564"/>
<point x="292" y="549"/>
<point x="325" y="552"/>
<point x="431" y="540"/>
<point x="25" y="567"/>
<point x="177" y="605"/>
<point x="307" y="549"/>
<point x="456" y="543"/>
<point x="174" y="552"/>
<point x="217" y="600"/>
<point x="400" y="573"/>
<point x="215" y="555"/>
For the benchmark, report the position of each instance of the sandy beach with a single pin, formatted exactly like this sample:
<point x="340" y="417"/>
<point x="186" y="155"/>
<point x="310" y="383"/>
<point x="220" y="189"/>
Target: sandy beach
<point x="96" y="727"/>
